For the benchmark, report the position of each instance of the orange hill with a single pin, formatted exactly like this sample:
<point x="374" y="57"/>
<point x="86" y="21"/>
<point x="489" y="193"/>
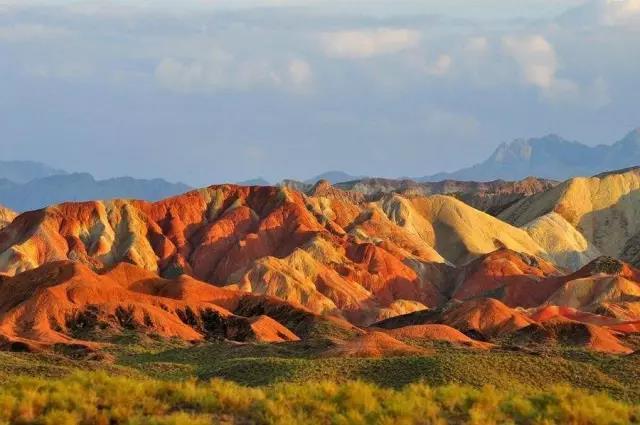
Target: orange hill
<point x="67" y="303"/>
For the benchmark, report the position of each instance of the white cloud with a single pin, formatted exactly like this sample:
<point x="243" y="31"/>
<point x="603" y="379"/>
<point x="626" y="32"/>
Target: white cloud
<point x="536" y="57"/>
<point x="179" y="76"/>
<point x="604" y="12"/>
<point x="356" y="44"/>
<point x="590" y="96"/>
<point x="476" y="46"/>
<point x="221" y="71"/>
<point x="538" y="62"/>
<point x="621" y="12"/>
<point x="29" y="32"/>
<point x="598" y="93"/>
<point x="441" y="66"/>
<point x="64" y="70"/>
<point x="300" y="74"/>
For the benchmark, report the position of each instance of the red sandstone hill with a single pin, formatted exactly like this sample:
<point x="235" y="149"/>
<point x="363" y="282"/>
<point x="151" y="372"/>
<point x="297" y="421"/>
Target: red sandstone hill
<point x="374" y="344"/>
<point x="486" y="319"/>
<point x="330" y="252"/>
<point x="493" y="274"/>
<point x="67" y="303"/>
<point x="570" y="332"/>
<point x="605" y="285"/>
<point x="437" y="332"/>
<point x="271" y="264"/>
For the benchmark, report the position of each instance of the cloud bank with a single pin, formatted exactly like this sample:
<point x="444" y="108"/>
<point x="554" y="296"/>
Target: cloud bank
<point x="229" y="91"/>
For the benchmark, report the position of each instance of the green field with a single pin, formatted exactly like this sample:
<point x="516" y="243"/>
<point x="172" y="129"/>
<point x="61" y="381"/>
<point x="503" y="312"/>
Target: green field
<point x="292" y="382"/>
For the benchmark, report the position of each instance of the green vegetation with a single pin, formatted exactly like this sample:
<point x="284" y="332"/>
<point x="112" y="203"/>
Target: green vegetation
<point x="268" y="364"/>
<point x="97" y="398"/>
<point x="141" y="380"/>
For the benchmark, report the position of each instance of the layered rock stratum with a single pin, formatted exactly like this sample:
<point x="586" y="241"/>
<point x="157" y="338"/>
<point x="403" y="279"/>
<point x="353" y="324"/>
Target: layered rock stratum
<point x="332" y="251"/>
<point x="276" y="264"/>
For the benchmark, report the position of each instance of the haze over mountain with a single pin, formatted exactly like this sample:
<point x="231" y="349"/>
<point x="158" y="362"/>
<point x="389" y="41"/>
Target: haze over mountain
<point x="59" y="188"/>
<point x="25" y="171"/>
<point x="549" y="157"/>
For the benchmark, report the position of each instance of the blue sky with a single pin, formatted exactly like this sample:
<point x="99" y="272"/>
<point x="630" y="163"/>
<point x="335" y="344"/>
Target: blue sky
<point x="212" y="91"/>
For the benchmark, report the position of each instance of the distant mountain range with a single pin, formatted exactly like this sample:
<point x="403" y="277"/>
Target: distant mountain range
<point x="26" y="185"/>
<point x="25" y="171"/>
<point x="549" y="157"/>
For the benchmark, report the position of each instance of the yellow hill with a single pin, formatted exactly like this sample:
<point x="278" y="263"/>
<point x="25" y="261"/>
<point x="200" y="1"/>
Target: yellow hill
<point x="603" y="209"/>
<point x="459" y="232"/>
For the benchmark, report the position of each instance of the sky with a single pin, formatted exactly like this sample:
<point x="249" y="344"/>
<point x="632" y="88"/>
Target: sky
<point x="206" y="91"/>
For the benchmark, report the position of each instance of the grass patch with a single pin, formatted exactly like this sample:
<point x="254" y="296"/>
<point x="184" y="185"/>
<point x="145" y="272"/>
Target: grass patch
<point x="270" y="364"/>
<point x="150" y="381"/>
<point x="121" y="400"/>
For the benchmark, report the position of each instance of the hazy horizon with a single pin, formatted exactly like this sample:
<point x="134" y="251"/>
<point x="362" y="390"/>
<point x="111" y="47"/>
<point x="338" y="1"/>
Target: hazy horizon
<point x="206" y="92"/>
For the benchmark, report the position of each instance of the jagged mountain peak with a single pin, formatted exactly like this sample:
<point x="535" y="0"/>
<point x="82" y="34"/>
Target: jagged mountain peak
<point x="551" y="157"/>
<point x="632" y="138"/>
